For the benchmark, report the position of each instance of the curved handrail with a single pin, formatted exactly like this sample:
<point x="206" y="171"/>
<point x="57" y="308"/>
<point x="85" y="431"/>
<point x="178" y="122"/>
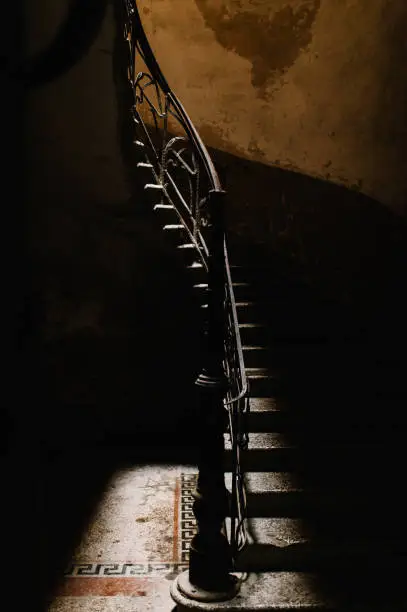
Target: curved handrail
<point x="244" y="385"/>
<point x="158" y="75"/>
<point x="196" y="179"/>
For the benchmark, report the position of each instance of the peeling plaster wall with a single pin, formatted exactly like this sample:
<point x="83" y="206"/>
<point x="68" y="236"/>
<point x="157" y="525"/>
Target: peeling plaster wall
<point x="317" y="86"/>
<point x="313" y="86"/>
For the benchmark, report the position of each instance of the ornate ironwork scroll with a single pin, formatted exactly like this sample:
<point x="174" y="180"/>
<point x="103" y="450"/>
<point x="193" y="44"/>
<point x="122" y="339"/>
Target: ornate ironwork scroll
<point x="184" y="178"/>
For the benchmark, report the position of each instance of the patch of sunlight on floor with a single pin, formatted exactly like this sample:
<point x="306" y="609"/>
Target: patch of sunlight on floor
<point x="134" y="546"/>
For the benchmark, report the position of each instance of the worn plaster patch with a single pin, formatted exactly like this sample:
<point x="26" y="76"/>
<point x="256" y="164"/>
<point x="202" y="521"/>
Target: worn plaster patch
<point x="269" y="34"/>
<point x="216" y="138"/>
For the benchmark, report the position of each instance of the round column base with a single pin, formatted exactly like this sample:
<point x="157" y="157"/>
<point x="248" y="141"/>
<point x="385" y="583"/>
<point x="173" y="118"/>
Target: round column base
<point x="182" y="589"/>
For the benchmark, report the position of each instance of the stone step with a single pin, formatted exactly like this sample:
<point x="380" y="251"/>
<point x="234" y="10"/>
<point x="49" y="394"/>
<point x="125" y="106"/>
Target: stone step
<point x="257" y="356"/>
<point x="267" y="451"/>
<point x="264" y="382"/>
<point x="288" y="318"/>
<point x="300" y="591"/>
<point x="286" y="544"/>
<point x="246" y="290"/>
<point x="242" y="289"/>
<point x="202" y="295"/>
<point x="276" y="414"/>
<point x="264" y="592"/>
<point x="274" y="291"/>
<point x="245" y="267"/>
<point x="254" y="333"/>
<point x="286" y="349"/>
<point x="269" y="414"/>
<point x="176" y="231"/>
<point x="259" y="275"/>
<point x="287" y="494"/>
<point x="288" y="339"/>
<point x="166" y="213"/>
<point x="197" y="272"/>
<point x="253" y="312"/>
<point x="271" y="493"/>
<point x="341" y="456"/>
<point x="189" y="252"/>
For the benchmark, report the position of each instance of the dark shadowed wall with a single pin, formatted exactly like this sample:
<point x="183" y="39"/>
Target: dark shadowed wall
<point x="279" y="90"/>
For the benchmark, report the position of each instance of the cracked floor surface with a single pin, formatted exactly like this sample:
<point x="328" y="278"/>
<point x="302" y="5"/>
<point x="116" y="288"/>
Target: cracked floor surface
<point x="131" y="549"/>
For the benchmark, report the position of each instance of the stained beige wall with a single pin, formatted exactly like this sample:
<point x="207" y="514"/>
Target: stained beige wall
<point x="317" y="86"/>
<point x="311" y="86"/>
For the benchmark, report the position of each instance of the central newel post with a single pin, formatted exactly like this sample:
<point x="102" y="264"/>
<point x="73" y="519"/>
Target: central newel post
<point x="210" y="560"/>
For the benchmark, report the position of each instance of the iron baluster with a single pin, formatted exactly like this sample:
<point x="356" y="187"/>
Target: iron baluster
<point x="182" y="175"/>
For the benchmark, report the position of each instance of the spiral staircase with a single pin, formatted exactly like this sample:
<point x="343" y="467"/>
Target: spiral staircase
<point x="313" y="506"/>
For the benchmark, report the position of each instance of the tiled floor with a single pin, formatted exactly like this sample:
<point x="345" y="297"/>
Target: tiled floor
<point x="134" y="546"/>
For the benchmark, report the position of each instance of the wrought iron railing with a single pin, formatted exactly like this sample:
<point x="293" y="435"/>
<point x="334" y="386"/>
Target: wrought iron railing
<point x="184" y="178"/>
<point x="238" y="405"/>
